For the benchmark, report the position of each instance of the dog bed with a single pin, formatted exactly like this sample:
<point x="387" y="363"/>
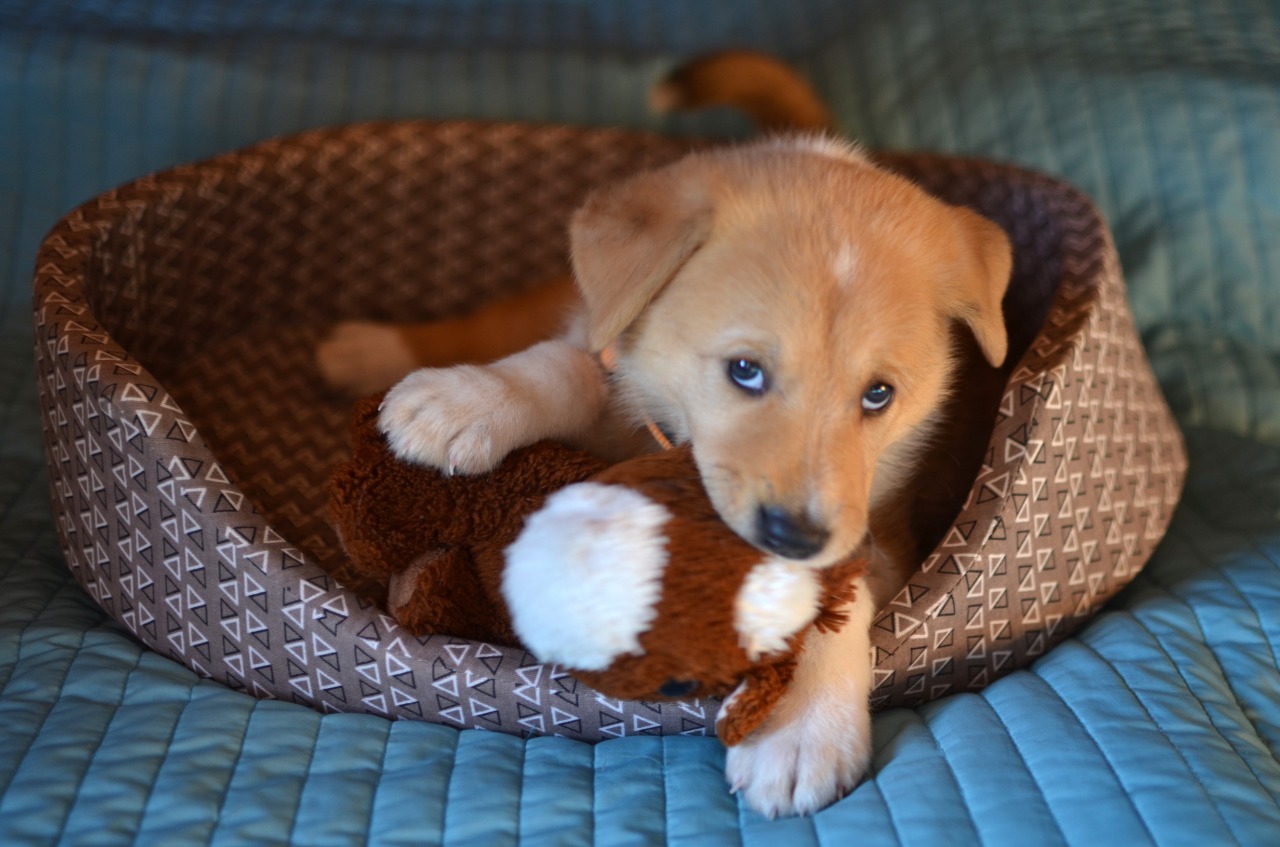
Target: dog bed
<point x="189" y="436"/>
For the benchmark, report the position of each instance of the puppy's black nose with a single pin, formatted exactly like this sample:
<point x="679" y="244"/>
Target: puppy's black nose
<point x="789" y="535"/>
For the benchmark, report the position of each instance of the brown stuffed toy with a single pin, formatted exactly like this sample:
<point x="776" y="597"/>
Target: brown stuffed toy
<point x="624" y="575"/>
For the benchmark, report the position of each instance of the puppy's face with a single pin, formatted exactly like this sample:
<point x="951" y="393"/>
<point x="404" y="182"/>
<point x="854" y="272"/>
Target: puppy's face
<point x="795" y="328"/>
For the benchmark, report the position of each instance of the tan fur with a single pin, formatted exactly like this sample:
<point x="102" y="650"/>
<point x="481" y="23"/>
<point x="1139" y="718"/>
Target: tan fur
<point x="800" y="254"/>
<point x="361" y="358"/>
<point x="774" y="95"/>
<point x="500" y="328"/>
<point x="761" y="285"/>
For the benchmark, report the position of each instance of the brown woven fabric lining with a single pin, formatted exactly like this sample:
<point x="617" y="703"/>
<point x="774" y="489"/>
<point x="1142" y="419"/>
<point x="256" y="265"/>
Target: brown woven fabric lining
<point x="190" y="438"/>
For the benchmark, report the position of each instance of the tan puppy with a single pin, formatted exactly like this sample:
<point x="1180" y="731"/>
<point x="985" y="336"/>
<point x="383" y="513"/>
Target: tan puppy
<point x="786" y="307"/>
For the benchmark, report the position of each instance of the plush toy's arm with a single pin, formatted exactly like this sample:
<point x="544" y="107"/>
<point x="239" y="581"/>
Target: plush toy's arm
<point x="764" y="684"/>
<point x="747" y="707"/>
<point x="441" y="592"/>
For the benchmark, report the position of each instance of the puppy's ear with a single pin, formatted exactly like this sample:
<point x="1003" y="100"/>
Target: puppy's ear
<point x="629" y="239"/>
<point x="985" y="263"/>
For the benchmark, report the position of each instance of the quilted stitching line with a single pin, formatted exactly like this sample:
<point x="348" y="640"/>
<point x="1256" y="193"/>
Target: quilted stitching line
<point x="61" y="571"/>
<point x="1245" y="162"/>
<point x="951" y="123"/>
<point x="1207" y="560"/>
<point x="7" y="669"/>
<point x="835" y="66"/>
<point x="145" y="801"/>
<point x="1204" y="790"/>
<point x="1224" y="573"/>
<point x="666" y="792"/>
<point x="518" y="804"/>
<point x="742" y="816"/>
<point x="39" y="730"/>
<point x="235" y="766"/>
<point x="889" y="815"/>
<point x="891" y="46"/>
<point x="1022" y="757"/>
<point x="1198" y="388"/>
<point x="871" y="783"/>
<point x="972" y="14"/>
<point x="1212" y="222"/>
<point x="25" y="145"/>
<point x="1257" y="370"/>
<point x="1105" y="178"/>
<point x="448" y="784"/>
<point x="1243" y="714"/>
<point x="951" y="772"/>
<point x="1154" y="187"/>
<point x="1102" y="754"/>
<point x="1054" y="158"/>
<point x="102" y="740"/>
<point x="302" y="789"/>
<point x="595" y="791"/>
<point x="382" y="769"/>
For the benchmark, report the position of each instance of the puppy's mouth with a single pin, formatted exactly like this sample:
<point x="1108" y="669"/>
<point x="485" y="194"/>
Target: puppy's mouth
<point x="789" y="534"/>
<point x="785" y="532"/>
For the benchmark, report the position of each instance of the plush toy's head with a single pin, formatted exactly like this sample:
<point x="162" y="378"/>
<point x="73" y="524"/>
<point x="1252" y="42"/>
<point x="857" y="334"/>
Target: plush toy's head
<point x="624" y="575"/>
<point x="632" y="580"/>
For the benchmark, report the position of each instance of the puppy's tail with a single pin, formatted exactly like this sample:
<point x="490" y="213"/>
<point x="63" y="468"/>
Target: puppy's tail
<point x="774" y="95"/>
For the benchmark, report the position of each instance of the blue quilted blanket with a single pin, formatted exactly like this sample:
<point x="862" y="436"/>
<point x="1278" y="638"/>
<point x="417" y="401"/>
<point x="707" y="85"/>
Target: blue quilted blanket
<point x="1159" y="723"/>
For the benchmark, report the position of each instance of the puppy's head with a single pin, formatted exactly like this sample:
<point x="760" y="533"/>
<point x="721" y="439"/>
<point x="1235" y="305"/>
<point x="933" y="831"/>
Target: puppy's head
<point x="785" y="306"/>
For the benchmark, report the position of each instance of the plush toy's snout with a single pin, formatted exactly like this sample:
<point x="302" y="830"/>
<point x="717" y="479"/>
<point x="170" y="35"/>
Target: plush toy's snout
<point x="584" y="578"/>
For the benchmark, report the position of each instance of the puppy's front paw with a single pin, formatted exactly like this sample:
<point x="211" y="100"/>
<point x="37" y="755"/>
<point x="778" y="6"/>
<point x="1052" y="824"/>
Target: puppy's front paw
<point x="360" y="358"/>
<point x="802" y="759"/>
<point x="463" y="419"/>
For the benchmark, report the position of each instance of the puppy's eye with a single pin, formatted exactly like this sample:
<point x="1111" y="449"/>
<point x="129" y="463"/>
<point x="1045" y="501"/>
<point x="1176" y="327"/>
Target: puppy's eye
<point x="748" y="376"/>
<point x="878" y="397"/>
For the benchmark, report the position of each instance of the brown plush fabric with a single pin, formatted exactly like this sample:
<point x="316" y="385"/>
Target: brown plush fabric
<point x="432" y="549"/>
<point x="447" y="533"/>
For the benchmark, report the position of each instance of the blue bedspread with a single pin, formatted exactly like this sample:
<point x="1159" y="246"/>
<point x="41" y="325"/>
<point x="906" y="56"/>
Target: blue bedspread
<point x="1159" y="723"/>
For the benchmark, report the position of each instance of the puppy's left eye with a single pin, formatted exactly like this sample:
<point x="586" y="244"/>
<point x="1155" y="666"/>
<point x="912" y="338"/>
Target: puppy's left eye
<point x="878" y="397"/>
<point x="748" y="375"/>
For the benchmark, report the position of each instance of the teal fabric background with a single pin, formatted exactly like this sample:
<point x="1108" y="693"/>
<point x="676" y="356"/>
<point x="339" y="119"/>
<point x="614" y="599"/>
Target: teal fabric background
<point x="1159" y="723"/>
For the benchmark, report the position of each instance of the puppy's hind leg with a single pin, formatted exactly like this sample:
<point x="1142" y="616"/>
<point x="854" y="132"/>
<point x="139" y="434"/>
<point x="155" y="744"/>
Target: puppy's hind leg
<point x="362" y="357"/>
<point x="816" y="745"/>
<point x="465" y="419"/>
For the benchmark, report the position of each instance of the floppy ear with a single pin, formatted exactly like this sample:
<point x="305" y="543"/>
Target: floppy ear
<point x="629" y="239"/>
<point x="985" y="264"/>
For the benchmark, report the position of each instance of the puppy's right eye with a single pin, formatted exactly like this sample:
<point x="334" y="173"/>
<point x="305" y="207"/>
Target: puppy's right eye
<point x="748" y="375"/>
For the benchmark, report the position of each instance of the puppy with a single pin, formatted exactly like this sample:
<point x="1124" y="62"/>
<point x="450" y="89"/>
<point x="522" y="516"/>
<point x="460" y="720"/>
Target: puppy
<point x="788" y="309"/>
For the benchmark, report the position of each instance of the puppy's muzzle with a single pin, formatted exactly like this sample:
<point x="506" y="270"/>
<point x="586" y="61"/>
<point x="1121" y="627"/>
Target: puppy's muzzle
<point x="790" y="535"/>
